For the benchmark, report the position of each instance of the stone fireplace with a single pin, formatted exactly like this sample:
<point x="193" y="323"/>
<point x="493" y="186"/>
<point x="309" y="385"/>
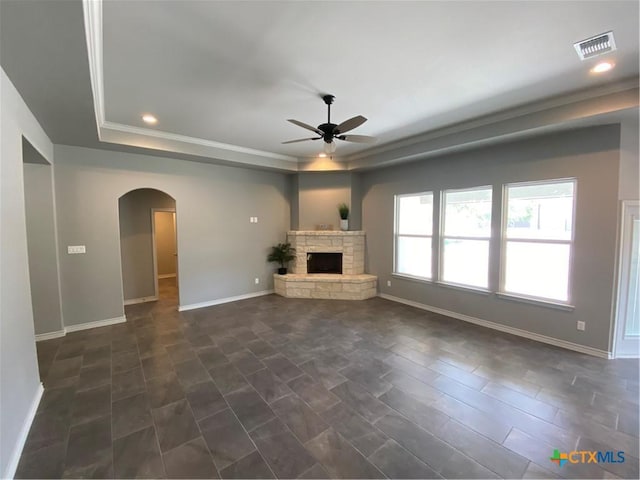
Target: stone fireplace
<point x="326" y="278"/>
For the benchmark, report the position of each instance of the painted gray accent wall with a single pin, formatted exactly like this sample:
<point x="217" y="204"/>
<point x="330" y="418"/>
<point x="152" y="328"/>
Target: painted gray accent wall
<point x="41" y="241"/>
<point x="319" y="194"/>
<point x="19" y="380"/>
<point x="629" y="159"/>
<point x="591" y="155"/>
<point x="355" y="214"/>
<point x="294" y="202"/>
<point x="219" y="251"/>
<point x="136" y="240"/>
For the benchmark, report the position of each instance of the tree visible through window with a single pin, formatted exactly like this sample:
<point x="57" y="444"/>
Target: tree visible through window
<point x="466" y="235"/>
<point x="413" y="234"/>
<point x="538" y="237"/>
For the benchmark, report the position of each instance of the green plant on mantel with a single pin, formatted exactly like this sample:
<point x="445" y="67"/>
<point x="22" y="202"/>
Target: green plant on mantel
<point x="282" y="253"/>
<point x="343" y="210"/>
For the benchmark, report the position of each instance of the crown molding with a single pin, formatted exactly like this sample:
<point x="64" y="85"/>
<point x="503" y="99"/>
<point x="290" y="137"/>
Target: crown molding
<point x="503" y="116"/>
<point x="155" y="139"/>
<point x="92" y="12"/>
<point x="581" y="109"/>
<point x="174" y="137"/>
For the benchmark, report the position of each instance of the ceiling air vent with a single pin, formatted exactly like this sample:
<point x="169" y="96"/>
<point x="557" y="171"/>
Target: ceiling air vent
<point x="594" y="46"/>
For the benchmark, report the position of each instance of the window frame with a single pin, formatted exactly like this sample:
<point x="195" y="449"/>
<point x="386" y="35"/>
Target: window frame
<point x="396" y="234"/>
<point x="443" y="237"/>
<point x="504" y="240"/>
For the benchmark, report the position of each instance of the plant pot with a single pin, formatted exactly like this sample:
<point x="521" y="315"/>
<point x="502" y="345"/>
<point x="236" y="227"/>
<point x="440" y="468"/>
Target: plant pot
<point x="344" y="224"/>
<point x="282" y="271"/>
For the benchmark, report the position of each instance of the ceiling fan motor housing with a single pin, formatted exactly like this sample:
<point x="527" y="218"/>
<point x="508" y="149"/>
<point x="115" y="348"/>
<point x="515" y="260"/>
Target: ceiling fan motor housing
<point x="328" y="129"/>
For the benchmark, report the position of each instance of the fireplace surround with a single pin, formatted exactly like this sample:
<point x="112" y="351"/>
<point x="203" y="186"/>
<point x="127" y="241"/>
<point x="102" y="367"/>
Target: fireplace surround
<point x="351" y="284"/>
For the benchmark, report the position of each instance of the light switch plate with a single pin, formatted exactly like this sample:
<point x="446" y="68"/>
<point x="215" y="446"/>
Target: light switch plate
<point x="74" y="249"/>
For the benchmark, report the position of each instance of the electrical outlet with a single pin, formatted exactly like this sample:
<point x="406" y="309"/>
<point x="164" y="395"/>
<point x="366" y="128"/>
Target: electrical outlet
<point x="73" y="249"/>
<point x="388" y="283"/>
<point x="255" y="219"/>
<point x="257" y="280"/>
<point x="580" y="326"/>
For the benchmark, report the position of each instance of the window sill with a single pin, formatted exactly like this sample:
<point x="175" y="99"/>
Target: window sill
<point x="536" y="301"/>
<point x="411" y="278"/>
<point x="464" y="288"/>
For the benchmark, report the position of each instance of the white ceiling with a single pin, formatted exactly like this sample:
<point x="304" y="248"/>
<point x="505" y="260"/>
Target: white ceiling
<point x="223" y="77"/>
<point x="233" y="72"/>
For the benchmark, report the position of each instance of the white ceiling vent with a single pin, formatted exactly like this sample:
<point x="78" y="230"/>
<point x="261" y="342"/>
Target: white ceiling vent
<point x="594" y="46"/>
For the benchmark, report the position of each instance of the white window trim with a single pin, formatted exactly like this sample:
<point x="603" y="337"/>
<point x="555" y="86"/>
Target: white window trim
<point x="516" y="296"/>
<point x="442" y="238"/>
<point x="396" y="235"/>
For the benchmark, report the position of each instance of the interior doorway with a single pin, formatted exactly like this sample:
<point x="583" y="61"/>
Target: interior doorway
<point x="165" y="252"/>
<point x="627" y="337"/>
<point x="142" y="255"/>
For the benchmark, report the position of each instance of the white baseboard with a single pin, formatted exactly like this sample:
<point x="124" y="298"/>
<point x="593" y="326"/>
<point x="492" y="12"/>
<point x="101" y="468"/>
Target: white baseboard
<point x="99" y="323"/>
<point x="628" y="355"/>
<point x="503" y="328"/>
<point x="12" y="466"/>
<point x="82" y="326"/>
<point x="167" y="275"/>
<point x="219" y="301"/>
<point x="134" y="301"/>
<point x="49" y="336"/>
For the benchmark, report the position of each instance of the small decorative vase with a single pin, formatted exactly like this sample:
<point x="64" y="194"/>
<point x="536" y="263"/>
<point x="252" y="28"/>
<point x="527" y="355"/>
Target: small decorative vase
<point x="344" y="224"/>
<point x="282" y="271"/>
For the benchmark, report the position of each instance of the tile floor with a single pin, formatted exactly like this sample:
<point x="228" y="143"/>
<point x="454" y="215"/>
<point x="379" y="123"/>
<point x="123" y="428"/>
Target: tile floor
<point x="275" y="387"/>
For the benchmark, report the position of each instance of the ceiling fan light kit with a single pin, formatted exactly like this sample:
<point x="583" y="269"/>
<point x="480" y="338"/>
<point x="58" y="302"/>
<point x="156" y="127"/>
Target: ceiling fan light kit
<point x="331" y="131"/>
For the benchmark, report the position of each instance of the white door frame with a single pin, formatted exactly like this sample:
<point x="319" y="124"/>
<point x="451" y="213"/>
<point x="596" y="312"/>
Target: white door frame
<point x="153" y="243"/>
<point x="625" y="244"/>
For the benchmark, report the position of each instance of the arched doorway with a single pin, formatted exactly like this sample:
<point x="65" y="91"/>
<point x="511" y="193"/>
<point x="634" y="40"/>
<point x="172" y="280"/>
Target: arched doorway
<point x="148" y="248"/>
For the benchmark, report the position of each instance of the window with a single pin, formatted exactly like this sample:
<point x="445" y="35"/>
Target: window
<point x="465" y="236"/>
<point x="538" y="237"/>
<point x="414" y="228"/>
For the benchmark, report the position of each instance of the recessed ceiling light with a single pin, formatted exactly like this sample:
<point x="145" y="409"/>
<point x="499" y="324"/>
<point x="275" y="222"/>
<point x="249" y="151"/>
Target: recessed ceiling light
<point x="322" y="155"/>
<point x="602" y="67"/>
<point x="148" y="118"/>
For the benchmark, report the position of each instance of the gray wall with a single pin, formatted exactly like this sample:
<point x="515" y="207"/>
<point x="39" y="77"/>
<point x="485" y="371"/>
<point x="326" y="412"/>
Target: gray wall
<point x="41" y="240"/>
<point x="219" y="251"/>
<point x="136" y="241"/>
<point x="629" y="159"/>
<point x="591" y="155"/>
<point x="19" y="382"/>
<point x="319" y="194"/>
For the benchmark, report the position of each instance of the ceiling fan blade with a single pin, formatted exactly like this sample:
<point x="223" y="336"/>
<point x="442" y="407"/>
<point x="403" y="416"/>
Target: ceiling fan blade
<point x="358" y="138"/>
<point x="301" y="140"/>
<point x="349" y="124"/>
<point x="304" y="125"/>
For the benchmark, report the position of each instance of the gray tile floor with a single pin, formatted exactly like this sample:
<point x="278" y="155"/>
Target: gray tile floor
<point x="275" y="387"/>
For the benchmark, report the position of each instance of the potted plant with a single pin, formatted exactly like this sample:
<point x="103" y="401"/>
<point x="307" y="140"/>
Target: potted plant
<point x="282" y="253"/>
<point x="343" y="210"/>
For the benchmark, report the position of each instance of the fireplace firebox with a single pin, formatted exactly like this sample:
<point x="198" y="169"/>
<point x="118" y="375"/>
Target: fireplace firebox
<point x="324" y="263"/>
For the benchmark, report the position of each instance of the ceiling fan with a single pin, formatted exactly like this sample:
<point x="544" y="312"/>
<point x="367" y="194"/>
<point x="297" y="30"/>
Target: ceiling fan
<point x="330" y="131"/>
